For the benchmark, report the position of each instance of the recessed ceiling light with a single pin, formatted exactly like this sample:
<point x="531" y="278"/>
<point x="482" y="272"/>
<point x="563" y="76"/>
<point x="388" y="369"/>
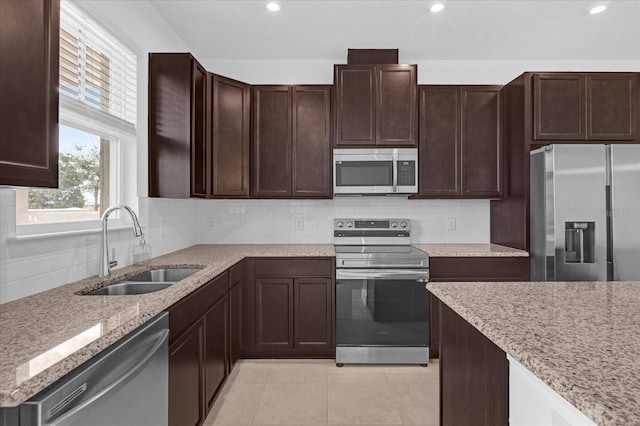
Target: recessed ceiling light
<point x="273" y="6"/>
<point x="438" y="7"/>
<point x="597" y="9"/>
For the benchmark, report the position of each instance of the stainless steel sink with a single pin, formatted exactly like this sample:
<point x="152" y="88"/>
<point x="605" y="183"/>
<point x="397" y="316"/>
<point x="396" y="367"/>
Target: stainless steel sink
<point x="127" y="288"/>
<point x="164" y="275"/>
<point x="145" y="282"/>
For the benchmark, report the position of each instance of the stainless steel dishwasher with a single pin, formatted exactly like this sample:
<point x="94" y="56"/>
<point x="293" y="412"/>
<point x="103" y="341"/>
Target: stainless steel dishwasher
<point x="126" y="385"/>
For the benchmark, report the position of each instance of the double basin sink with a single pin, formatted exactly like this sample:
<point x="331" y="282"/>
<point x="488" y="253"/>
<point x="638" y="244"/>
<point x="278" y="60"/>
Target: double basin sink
<point x="145" y="282"/>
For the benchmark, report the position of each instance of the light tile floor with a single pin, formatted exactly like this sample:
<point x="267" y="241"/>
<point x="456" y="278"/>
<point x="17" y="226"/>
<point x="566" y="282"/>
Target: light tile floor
<point x="316" y="392"/>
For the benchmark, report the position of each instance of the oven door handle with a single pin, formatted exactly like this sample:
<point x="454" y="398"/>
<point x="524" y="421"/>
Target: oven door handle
<point x="400" y="274"/>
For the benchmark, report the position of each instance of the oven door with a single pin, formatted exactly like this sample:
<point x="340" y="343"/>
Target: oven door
<point x="382" y="307"/>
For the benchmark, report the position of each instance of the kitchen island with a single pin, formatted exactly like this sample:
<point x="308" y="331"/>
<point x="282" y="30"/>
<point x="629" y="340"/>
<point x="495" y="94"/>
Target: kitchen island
<point x="579" y="338"/>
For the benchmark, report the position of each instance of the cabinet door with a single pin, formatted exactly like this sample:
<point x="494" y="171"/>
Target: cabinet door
<point x="481" y="142"/>
<point x="396" y="105"/>
<point x="199" y="143"/>
<point x="612" y="107"/>
<point x="559" y="107"/>
<point x="271" y="151"/>
<point x="29" y="48"/>
<point x="186" y="403"/>
<point x="170" y="122"/>
<point x="355" y="114"/>
<point x="312" y="153"/>
<point x="237" y="279"/>
<point x="274" y="322"/>
<point x="313" y="313"/>
<point x="230" y="137"/>
<point x="235" y="323"/>
<point x="439" y="147"/>
<point x="215" y="349"/>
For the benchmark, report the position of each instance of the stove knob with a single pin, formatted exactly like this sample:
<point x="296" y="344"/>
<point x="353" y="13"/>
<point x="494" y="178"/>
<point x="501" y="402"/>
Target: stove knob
<point x="340" y="224"/>
<point x="350" y="224"/>
<point x="403" y="224"/>
<point x="394" y="225"/>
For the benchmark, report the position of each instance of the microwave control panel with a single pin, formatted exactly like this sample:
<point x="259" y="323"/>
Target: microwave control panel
<point x="406" y="173"/>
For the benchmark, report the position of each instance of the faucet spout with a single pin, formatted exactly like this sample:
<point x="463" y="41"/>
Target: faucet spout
<point x="105" y="264"/>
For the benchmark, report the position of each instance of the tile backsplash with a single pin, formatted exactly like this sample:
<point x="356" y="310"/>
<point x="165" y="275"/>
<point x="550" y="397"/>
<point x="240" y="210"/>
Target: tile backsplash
<point x="274" y="221"/>
<point x="31" y="265"/>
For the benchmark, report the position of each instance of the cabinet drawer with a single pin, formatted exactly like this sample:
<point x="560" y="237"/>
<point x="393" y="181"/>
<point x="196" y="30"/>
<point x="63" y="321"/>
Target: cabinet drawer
<point x="294" y="267"/>
<point x="191" y="308"/>
<point x="478" y="269"/>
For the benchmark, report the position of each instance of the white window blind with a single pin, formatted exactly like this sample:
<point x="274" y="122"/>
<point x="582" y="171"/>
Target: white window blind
<point x="95" y="68"/>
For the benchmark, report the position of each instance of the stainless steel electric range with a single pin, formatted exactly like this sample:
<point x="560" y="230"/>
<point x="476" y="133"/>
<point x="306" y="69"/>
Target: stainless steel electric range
<point x="382" y="312"/>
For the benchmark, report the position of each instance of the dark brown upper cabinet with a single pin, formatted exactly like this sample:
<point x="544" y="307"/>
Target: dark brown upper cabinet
<point x="178" y="143"/>
<point x="29" y="48"/>
<point x="291" y="148"/>
<point x="460" y="146"/>
<point x="585" y="107"/>
<point x="375" y="105"/>
<point x="230" y="137"/>
<point x="312" y="154"/>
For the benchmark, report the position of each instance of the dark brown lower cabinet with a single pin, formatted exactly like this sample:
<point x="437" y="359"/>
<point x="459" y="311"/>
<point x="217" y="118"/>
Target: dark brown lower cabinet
<point x="274" y="314"/>
<point x="185" y="377"/>
<point x="474" y="375"/>
<point x="313" y="313"/>
<point x="290" y="304"/>
<point x="236" y="287"/>
<point x="215" y="350"/>
<point x="443" y="269"/>
<point x="198" y="351"/>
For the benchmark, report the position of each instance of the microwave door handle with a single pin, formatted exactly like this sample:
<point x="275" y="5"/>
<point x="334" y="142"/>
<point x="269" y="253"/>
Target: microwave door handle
<point x="394" y="169"/>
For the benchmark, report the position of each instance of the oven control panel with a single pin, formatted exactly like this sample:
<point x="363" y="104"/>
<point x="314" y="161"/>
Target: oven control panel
<point x="372" y="224"/>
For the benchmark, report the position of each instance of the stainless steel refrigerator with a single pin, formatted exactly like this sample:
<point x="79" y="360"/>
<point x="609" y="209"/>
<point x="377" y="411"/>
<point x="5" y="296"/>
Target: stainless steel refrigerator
<point x="585" y="213"/>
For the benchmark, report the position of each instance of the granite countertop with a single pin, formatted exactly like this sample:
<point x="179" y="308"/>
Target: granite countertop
<point x="580" y="338"/>
<point x="470" y="250"/>
<point x="48" y="334"/>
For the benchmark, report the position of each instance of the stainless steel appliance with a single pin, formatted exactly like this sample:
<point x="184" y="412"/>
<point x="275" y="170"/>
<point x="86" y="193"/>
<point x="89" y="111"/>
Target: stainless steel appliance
<point x="125" y="385"/>
<point x="382" y="311"/>
<point x="383" y="171"/>
<point x="585" y="213"/>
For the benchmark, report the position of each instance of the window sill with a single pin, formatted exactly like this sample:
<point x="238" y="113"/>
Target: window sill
<point x="63" y="234"/>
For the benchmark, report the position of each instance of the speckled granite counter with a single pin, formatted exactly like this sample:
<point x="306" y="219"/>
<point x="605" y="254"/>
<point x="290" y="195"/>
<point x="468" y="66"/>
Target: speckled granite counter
<point x="46" y="335"/>
<point x="580" y="338"/>
<point x="470" y="250"/>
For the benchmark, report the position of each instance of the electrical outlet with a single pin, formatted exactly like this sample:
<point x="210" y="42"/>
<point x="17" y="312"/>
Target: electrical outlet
<point x="451" y="224"/>
<point x="212" y="223"/>
<point x="299" y="223"/>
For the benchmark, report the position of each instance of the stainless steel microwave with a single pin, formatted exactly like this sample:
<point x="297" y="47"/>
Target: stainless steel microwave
<point x="380" y="171"/>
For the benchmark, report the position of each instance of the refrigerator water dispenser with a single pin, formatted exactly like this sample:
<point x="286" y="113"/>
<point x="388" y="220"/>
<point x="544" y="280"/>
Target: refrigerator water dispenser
<point x="580" y="242"/>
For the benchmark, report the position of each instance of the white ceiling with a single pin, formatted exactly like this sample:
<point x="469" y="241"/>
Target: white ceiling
<point x="465" y="30"/>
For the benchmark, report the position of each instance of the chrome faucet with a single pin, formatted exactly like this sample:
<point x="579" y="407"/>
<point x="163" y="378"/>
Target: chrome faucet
<point x="105" y="264"/>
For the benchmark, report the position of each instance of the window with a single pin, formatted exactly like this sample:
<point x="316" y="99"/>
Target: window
<point x="98" y="76"/>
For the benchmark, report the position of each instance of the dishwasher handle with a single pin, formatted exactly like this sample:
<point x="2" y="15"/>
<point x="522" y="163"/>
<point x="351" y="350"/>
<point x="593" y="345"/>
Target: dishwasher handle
<point x="120" y="382"/>
<point x="396" y="274"/>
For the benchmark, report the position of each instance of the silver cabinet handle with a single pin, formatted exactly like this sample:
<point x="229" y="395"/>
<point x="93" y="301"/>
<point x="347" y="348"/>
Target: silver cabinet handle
<point x="117" y="384"/>
<point x="401" y="274"/>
